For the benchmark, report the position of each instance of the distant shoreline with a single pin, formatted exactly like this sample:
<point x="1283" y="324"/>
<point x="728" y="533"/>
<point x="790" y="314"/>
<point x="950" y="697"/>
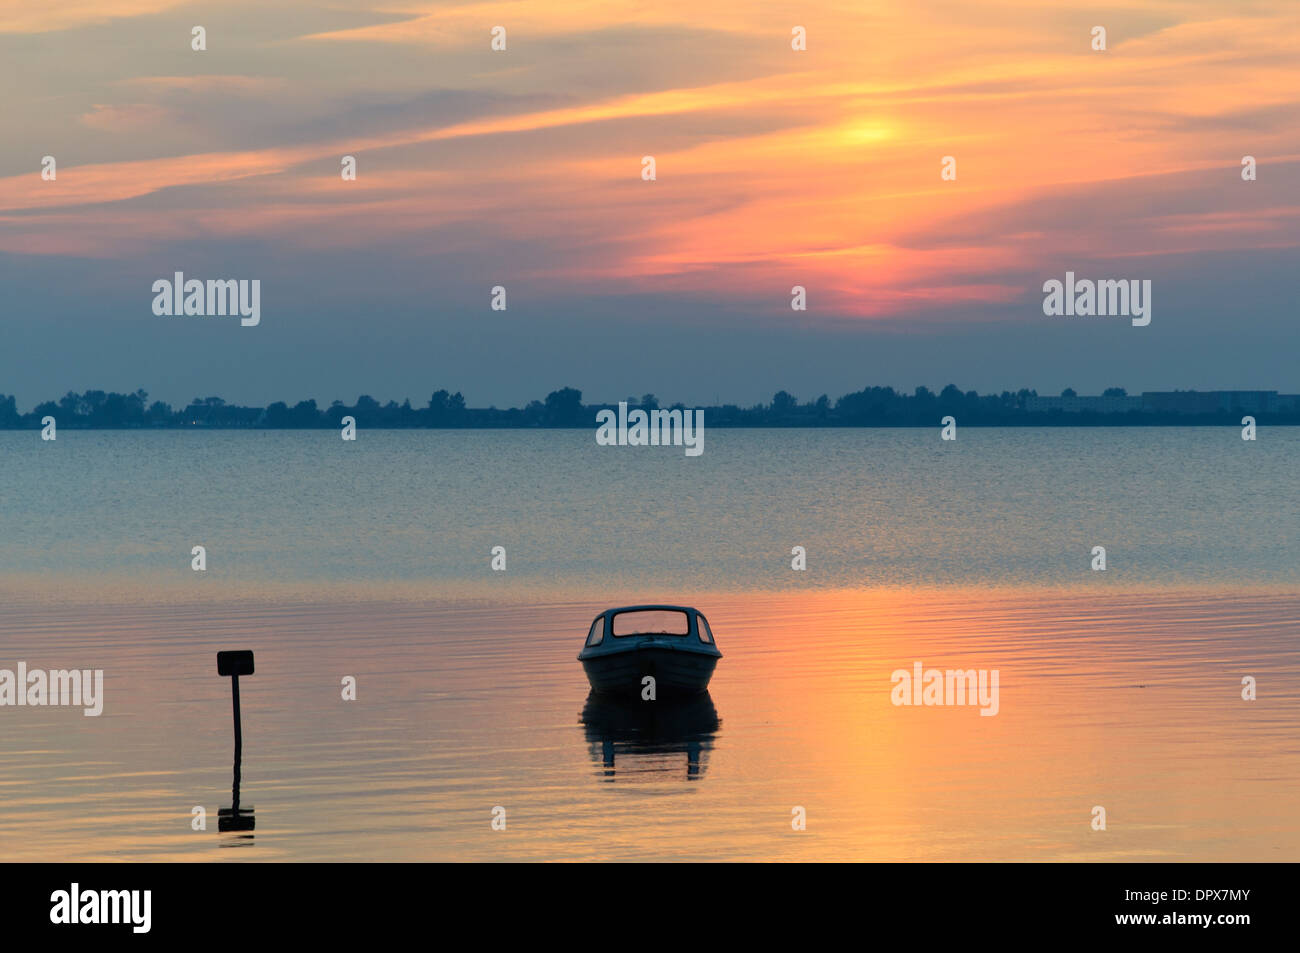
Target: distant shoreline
<point x="1029" y="423"/>
<point x="879" y="407"/>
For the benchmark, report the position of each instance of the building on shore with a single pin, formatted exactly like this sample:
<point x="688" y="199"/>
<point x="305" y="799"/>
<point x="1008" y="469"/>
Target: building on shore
<point x="1173" y="402"/>
<point x="1211" y="401"/>
<point x="1077" y="405"/>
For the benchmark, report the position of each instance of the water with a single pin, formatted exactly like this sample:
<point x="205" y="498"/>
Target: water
<point x="1120" y="689"/>
<point x="416" y="513"/>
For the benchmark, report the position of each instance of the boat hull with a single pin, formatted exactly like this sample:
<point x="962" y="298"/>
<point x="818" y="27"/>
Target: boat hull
<point x="675" y="672"/>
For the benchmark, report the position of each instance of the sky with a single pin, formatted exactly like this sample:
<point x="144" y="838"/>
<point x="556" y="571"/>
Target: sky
<point x="523" y="168"/>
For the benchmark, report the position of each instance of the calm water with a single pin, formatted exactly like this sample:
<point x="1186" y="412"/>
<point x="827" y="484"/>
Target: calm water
<point x="416" y="513"/>
<point x="1119" y="689"/>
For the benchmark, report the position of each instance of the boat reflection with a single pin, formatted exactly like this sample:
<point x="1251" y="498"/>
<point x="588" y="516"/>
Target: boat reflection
<point x="647" y="739"/>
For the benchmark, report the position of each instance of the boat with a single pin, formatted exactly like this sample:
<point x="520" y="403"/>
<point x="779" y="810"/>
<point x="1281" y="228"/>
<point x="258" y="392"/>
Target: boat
<point x="673" y="645"/>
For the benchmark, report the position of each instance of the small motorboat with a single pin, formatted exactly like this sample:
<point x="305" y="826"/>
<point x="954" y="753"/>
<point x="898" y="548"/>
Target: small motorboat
<point x="671" y="644"/>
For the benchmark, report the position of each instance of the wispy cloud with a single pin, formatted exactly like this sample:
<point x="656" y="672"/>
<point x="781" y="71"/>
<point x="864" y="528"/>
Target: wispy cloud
<point x="817" y="167"/>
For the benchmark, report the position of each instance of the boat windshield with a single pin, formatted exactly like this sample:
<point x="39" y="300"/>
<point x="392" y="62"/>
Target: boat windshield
<point x="651" y="622"/>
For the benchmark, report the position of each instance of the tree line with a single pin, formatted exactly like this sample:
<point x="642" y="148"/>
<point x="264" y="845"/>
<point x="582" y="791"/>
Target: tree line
<point x="869" y="407"/>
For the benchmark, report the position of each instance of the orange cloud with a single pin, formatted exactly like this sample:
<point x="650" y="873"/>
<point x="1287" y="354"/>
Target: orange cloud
<point x="819" y="167"/>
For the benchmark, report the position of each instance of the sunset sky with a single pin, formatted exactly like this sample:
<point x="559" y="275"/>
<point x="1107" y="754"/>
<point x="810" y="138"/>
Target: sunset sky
<point x="522" y="168"/>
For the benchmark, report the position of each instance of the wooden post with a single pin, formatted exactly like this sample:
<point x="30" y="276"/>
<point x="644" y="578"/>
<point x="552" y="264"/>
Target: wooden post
<point x="234" y="664"/>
